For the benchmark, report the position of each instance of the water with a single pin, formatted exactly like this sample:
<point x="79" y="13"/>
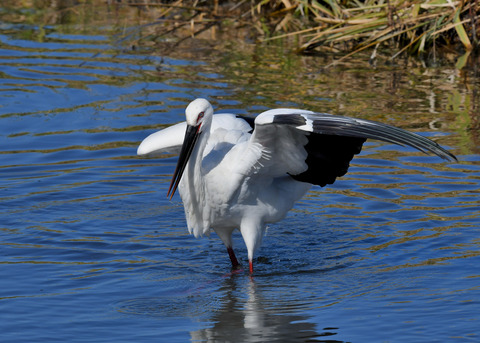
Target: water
<point x="92" y="250"/>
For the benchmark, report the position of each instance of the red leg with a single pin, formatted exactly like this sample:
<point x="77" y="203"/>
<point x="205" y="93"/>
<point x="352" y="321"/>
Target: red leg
<point x="250" y="262"/>
<point x="233" y="258"/>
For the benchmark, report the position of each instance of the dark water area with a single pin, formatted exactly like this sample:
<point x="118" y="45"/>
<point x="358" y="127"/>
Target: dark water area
<point x="91" y="250"/>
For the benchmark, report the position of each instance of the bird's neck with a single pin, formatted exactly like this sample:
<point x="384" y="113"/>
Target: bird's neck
<point x="194" y="167"/>
<point x="192" y="187"/>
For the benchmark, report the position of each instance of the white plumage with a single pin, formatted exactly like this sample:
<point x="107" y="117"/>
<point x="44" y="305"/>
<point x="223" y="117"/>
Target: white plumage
<point x="236" y="174"/>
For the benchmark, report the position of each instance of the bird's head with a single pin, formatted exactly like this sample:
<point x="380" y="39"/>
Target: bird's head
<point x="199" y="112"/>
<point x="199" y="115"/>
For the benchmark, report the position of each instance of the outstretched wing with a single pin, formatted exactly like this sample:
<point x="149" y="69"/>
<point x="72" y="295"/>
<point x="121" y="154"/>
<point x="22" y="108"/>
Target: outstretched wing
<point x="171" y="138"/>
<point x="318" y="147"/>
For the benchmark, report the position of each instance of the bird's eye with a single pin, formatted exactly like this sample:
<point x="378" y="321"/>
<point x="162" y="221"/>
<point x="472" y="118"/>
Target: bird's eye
<point x="200" y="116"/>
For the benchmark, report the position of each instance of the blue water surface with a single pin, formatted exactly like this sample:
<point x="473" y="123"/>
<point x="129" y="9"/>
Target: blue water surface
<point x="91" y="250"/>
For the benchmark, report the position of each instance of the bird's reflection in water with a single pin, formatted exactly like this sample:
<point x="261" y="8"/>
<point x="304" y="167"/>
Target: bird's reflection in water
<point x="246" y="316"/>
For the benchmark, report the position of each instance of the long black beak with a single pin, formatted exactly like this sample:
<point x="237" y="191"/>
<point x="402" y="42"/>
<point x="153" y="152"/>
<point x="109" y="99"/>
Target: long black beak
<point x="191" y="136"/>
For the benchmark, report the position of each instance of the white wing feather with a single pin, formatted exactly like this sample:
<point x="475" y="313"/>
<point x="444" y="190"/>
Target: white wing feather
<point x="275" y="150"/>
<point x="166" y="140"/>
<point x="284" y="133"/>
<point x="171" y="139"/>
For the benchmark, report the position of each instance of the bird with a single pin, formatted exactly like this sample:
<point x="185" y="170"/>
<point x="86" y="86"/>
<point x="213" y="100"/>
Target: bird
<point x="241" y="173"/>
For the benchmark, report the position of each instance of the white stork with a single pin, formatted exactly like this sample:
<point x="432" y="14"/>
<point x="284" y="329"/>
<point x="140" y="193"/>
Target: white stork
<point x="238" y="173"/>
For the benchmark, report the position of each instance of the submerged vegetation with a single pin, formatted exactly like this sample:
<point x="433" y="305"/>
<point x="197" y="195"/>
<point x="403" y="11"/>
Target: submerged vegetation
<point x="396" y="27"/>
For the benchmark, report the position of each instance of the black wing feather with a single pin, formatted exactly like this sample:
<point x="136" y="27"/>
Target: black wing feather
<point x="328" y="158"/>
<point x="336" y="139"/>
<point x="351" y="127"/>
<point x="330" y="142"/>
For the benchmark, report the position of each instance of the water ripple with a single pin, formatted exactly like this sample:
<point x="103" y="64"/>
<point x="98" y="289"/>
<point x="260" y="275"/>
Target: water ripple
<point x="92" y="248"/>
